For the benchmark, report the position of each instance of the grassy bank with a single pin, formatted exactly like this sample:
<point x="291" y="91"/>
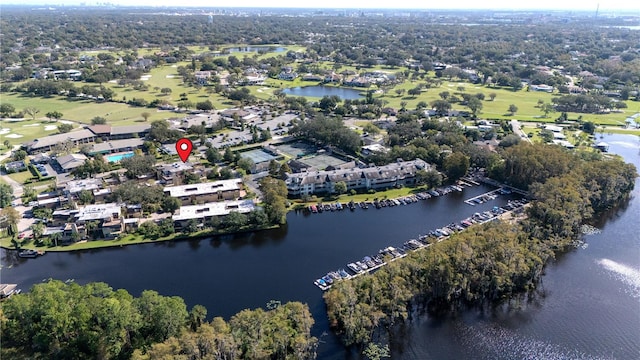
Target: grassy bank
<point x="129" y="239"/>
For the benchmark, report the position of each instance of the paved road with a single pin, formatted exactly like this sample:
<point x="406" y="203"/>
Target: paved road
<point x="515" y="125"/>
<point x="17" y="187"/>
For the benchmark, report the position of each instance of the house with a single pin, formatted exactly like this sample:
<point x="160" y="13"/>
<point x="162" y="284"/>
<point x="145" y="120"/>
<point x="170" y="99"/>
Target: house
<point x="357" y="81"/>
<point x="205" y="192"/>
<point x="116" y="146"/>
<point x="75" y="186"/>
<point x="541" y="87"/>
<point x="15" y="166"/>
<point x="553" y="128"/>
<point x="312" y="77"/>
<point x="46" y="143"/>
<point x="107" y="132"/>
<point x="202" y="77"/>
<point x="40" y="159"/>
<point x="287" y="76"/>
<point x="332" y="78"/>
<point x="204" y="212"/>
<point x="400" y="173"/>
<point x="173" y="174"/>
<point x="71" y="161"/>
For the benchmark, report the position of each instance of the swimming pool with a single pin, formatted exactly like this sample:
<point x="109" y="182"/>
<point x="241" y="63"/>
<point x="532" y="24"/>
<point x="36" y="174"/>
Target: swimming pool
<point x="119" y="156"/>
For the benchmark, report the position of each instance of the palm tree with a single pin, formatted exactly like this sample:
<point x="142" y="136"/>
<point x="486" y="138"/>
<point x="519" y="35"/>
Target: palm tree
<point x="55" y="237"/>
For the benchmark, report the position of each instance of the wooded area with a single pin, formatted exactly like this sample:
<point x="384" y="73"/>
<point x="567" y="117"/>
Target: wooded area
<point x="487" y="263"/>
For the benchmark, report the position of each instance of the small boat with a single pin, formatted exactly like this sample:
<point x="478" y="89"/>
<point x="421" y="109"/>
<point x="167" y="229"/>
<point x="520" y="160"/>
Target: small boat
<point x="339" y="206"/>
<point x="28" y="253"/>
<point x="320" y="208"/>
<point x="353" y="267"/>
<point x="313" y="209"/>
<point x="327" y="279"/>
<point x="362" y="265"/>
<point x="344" y="274"/>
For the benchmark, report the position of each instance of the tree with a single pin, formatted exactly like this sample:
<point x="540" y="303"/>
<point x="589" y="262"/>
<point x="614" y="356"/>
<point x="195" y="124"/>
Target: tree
<point x="6" y="143"/>
<point x="547" y="108"/>
<point x="85" y="197"/>
<point x="456" y="166"/>
<point x="9" y="217"/>
<point x="475" y="105"/>
<point x="430" y="178"/>
<point x="165" y="91"/>
<point x="6" y="110"/>
<point x="145" y="115"/>
<point x="65" y="128"/>
<point x="492" y="96"/>
<point x="415" y="91"/>
<point x="98" y="120"/>
<point x="375" y="351"/>
<point x="444" y="95"/>
<point x="31" y="111"/>
<point x="513" y="109"/>
<point x="54" y="115"/>
<point x="442" y="107"/>
<point x="185" y="104"/>
<point x="206" y="105"/>
<point x="213" y="155"/>
<point x="589" y="127"/>
<point x="284" y="170"/>
<point x="340" y="187"/>
<point x="6" y="195"/>
<point x="19" y="155"/>
<point x="245" y="164"/>
<point x="228" y="156"/>
<point x="170" y="204"/>
<point x="37" y="229"/>
<point x="138" y="165"/>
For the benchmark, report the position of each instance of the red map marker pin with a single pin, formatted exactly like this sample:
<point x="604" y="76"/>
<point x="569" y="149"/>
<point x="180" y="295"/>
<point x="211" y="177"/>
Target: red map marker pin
<point x="184" y="147"/>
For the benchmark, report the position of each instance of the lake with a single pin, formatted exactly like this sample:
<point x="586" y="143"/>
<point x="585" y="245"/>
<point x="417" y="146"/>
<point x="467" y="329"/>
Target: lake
<point x="320" y="91"/>
<point x="245" y="49"/>
<point x="589" y="308"/>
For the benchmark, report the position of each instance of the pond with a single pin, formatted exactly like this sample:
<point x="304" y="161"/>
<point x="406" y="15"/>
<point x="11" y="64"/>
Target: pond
<point x="320" y="91"/>
<point x="245" y="49"/>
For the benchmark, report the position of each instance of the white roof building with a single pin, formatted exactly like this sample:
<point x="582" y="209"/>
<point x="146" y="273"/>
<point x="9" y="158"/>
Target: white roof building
<point x="553" y="128"/>
<point x="203" y="188"/>
<point x="213" y="209"/>
<point x="98" y="212"/>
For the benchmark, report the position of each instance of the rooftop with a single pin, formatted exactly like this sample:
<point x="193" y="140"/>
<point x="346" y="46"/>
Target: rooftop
<point x="109" y="146"/>
<point x="98" y="212"/>
<point x="203" y="188"/>
<point x="71" y="161"/>
<point x="75" y="186"/>
<point x="51" y="140"/>
<point x="130" y="129"/>
<point x="213" y="209"/>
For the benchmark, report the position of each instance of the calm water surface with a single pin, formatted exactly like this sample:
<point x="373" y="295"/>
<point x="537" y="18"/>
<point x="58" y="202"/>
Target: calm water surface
<point x="320" y="91"/>
<point x="590" y="307"/>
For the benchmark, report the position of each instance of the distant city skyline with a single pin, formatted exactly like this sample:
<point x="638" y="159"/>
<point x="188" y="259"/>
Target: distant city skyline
<point x="609" y="5"/>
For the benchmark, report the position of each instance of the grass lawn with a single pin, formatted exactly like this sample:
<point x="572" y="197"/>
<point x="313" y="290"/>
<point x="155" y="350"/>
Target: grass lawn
<point x="21" y="177"/>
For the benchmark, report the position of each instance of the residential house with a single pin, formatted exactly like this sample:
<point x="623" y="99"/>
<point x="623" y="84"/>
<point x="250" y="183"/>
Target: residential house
<point x="205" y="212"/>
<point x="46" y="143"/>
<point x="15" y="166"/>
<point x="116" y="146"/>
<point x="205" y="192"/>
<point x="71" y="161"/>
<point x="202" y="77"/>
<point x="173" y="174"/>
<point x="400" y="173"/>
<point x="541" y="87"/>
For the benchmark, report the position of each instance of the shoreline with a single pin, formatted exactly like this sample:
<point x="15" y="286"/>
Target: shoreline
<point x="130" y="239"/>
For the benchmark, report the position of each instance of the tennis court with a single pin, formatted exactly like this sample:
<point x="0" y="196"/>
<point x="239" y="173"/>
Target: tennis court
<point x="258" y="156"/>
<point x="296" y="149"/>
<point x="321" y="161"/>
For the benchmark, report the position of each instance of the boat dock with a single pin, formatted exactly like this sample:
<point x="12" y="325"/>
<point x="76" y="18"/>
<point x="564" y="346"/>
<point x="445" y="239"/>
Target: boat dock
<point x="482" y="198"/>
<point x="369" y="264"/>
<point x="384" y="202"/>
<point x="7" y="290"/>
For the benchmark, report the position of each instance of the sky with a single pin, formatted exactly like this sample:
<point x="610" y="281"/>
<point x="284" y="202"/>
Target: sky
<point x="606" y="5"/>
